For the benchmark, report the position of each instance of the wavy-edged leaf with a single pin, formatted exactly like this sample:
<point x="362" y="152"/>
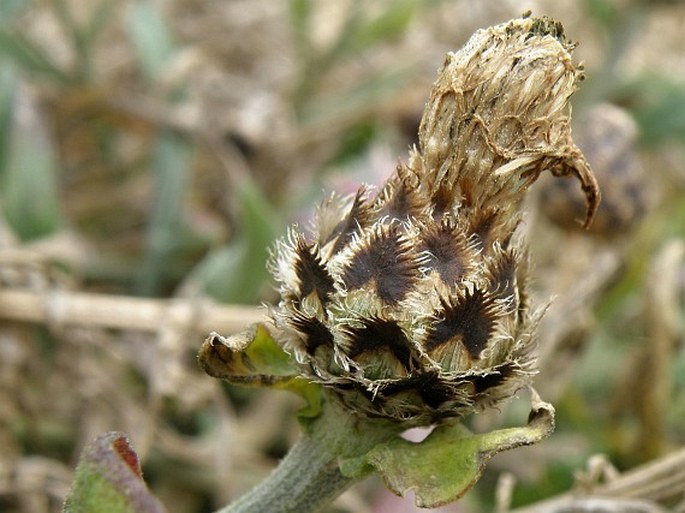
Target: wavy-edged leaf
<point x="254" y="358"/>
<point x="443" y="467"/>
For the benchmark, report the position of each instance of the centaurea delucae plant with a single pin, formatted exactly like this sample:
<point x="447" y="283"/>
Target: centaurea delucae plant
<point x="409" y="307"/>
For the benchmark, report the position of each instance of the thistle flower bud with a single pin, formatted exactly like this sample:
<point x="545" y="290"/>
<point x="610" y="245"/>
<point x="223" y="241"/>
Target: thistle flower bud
<point x="411" y="305"/>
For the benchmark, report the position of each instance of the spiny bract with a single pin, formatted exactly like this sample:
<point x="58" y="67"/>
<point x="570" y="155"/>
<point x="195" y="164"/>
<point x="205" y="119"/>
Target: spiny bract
<point x="411" y="305"/>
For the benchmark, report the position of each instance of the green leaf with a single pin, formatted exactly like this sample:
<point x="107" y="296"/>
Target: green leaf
<point x="83" y="35"/>
<point x="24" y="54"/>
<point x="355" y="141"/>
<point x="151" y="37"/>
<point x="28" y="173"/>
<point x="659" y="109"/>
<point x="171" y="163"/>
<point x="443" y="467"/>
<point x="9" y="8"/>
<point x="377" y="88"/>
<point x="254" y="358"/>
<point x="109" y="480"/>
<point x="603" y="11"/>
<point x="249" y="357"/>
<point x="301" y="17"/>
<point x="102" y="14"/>
<point x="357" y="34"/>
<point x="8" y="83"/>
<point x="390" y="24"/>
<point x="236" y="273"/>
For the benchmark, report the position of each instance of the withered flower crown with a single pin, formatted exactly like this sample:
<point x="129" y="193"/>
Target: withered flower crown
<point x="411" y="305"/>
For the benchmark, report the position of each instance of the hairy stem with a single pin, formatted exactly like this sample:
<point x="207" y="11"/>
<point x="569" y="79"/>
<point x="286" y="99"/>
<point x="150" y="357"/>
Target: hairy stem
<point x="309" y="478"/>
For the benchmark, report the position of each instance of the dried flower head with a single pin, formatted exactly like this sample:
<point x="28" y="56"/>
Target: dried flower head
<point x="411" y="304"/>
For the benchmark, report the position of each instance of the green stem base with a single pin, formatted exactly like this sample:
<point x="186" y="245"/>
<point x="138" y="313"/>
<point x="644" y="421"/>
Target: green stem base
<point x="308" y="478"/>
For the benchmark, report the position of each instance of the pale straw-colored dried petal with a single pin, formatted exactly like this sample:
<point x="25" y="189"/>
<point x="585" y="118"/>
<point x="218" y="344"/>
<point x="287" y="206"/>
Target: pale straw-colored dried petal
<point x="498" y="116"/>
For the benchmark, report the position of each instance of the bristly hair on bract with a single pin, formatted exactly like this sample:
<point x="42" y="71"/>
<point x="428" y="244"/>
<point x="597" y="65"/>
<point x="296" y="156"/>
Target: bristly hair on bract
<point x="411" y="304"/>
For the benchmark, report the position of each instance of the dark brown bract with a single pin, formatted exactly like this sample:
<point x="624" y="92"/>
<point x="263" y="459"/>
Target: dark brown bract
<point x="411" y="304"/>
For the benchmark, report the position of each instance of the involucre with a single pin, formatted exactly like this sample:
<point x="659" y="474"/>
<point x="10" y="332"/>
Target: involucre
<point x="412" y="304"/>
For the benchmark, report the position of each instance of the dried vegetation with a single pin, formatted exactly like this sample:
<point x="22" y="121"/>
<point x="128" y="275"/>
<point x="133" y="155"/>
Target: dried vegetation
<point x="149" y="153"/>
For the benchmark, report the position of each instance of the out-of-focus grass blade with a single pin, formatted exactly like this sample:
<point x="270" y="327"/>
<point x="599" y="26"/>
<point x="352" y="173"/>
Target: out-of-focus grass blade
<point x="358" y="34"/>
<point x="376" y="88"/>
<point x="390" y="24"/>
<point x="83" y="35"/>
<point x="101" y="16"/>
<point x="71" y="28"/>
<point x="301" y="16"/>
<point x="363" y="33"/>
<point x="677" y="410"/>
<point x="29" y="188"/>
<point x="150" y="36"/>
<point x="659" y="108"/>
<point x="19" y="50"/>
<point x="8" y="8"/>
<point x="171" y="163"/>
<point x="603" y="11"/>
<point x="7" y="84"/>
<point x="354" y="141"/>
<point x="237" y="272"/>
<point x="317" y="66"/>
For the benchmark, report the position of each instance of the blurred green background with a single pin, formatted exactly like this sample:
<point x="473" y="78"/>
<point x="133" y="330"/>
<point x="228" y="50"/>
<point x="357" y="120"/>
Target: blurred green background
<point x="157" y="148"/>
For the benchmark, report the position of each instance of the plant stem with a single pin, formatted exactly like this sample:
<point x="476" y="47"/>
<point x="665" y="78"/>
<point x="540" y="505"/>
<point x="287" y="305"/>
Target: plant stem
<point x="64" y="308"/>
<point x="308" y="478"/>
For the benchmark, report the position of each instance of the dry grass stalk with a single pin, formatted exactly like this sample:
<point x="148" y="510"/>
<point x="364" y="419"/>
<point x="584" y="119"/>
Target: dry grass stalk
<point x="62" y="309"/>
<point x="659" y="481"/>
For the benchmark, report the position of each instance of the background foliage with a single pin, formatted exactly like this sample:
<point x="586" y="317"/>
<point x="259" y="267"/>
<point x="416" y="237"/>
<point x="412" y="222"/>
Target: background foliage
<point x="155" y="148"/>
